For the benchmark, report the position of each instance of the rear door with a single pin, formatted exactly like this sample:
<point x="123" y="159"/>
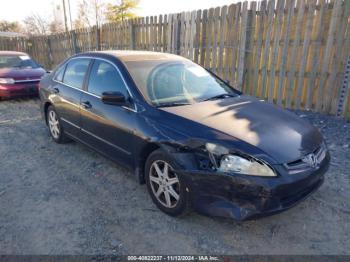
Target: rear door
<point x="68" y="87"/>
<point x="108" y="128"/>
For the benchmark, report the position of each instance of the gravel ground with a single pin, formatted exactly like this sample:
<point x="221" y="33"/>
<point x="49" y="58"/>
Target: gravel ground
<point x="67" y="199"/>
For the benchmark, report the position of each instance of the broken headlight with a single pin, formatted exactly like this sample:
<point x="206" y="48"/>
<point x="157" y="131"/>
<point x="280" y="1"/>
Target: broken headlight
<point x="236" y="163"/>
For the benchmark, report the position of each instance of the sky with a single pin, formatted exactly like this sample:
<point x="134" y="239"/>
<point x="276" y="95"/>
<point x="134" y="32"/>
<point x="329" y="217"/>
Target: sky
<point x="17" y="10"/>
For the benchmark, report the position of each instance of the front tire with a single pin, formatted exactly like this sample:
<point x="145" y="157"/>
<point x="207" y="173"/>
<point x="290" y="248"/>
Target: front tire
<point x="55" y="127"/>
<point x="167" y="189"/>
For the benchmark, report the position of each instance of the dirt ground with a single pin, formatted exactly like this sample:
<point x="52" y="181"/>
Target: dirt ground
<point x="67" y="199"/>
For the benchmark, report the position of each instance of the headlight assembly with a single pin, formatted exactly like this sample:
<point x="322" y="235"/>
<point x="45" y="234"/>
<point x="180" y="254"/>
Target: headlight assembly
<point x="7" y="81"/>
<point x="238" y="164"/>
<point x="225" y="162"/>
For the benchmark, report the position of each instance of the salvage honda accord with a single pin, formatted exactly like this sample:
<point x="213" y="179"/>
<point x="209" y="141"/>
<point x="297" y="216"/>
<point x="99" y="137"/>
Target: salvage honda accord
<point x="193" y="139"/>
<point x="19" y="75"/>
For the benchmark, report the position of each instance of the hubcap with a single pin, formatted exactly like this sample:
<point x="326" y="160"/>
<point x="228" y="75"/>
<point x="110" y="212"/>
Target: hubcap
<point x="164" y="183"/>
<point x="54" y="125"/>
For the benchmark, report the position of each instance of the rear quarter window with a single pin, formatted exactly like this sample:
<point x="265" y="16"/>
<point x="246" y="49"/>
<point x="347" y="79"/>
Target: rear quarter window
<point x="59" y="73"/>
<point x="75" y="72"/>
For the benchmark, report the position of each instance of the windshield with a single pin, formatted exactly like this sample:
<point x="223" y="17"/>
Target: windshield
<point x="176" y="82"/>
<point x="15" y="61"/>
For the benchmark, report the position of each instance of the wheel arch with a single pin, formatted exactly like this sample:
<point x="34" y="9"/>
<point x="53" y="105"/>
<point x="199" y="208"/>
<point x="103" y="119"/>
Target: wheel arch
<point x="142" y="158"/>
<point x="181" y="158"/>
<point x="46" y="106"/>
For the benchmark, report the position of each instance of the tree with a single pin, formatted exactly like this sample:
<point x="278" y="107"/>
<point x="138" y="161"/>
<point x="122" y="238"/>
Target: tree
<point x="36" y="25"/>
<point x="123" y="10"/>
<point x="56" y="25"/>
<point x="90" y="12"/>
<point x="6" y="26"/>
<point x="83" y="19"/>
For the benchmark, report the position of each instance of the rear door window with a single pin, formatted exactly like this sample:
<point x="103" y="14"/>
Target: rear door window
<point x="75" y="72"/>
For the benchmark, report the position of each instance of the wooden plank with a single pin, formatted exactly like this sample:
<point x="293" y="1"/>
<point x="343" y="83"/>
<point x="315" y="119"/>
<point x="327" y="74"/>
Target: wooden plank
<point x="176" y="34"/>
<point x="229" y="41"/>
<point x="294" y="54"/>
<point x="147" y="34"/>
<point x="327" y="54"/>
<point x="169" y="33"/>
<point x="155" y="33"/>
<point x="251" y="32"/>
<point x="304" y="54"/>
<point x="197" y="36"/>
<point x="187" y="34"/>
<point x="265" y="59"/>
<point x="281" y="77"/>
<point x="235" y="45"/>
<point x="275" y="47"/>
<point x="192" y="34"/>
<point x="209" y="39"/>
<point x="182" y="33"/>
<point x="216" y="29"/>
<point x="319" y="25"/>
<point x="204" y="33"/>
<point x="242" y="46"/>
<point x="223" y="28"/>
<point x="258" y="48"/>
<point x="165" y="26"/>
<point x="142" y="41"/>
<point x="159" y="32"/>
<point x="151" y="34"/>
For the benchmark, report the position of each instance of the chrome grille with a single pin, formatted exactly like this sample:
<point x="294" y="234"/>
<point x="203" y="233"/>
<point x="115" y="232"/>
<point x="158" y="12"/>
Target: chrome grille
<point x="311" y="160"/>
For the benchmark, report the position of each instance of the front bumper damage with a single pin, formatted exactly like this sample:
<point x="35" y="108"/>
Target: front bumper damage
<point x="247" y="197"/>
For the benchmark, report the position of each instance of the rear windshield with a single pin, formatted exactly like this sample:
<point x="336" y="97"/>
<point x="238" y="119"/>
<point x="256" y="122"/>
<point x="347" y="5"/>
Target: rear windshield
<point x="15" y="61"/>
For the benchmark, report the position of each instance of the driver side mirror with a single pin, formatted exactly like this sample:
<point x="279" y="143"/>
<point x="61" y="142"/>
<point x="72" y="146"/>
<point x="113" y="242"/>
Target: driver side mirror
<point x="113" y="98"/>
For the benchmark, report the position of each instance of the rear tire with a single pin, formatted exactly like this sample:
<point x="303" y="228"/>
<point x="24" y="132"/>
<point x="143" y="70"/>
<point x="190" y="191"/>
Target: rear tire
<point x="55" y="127"/>
<point x="167" y="189"/>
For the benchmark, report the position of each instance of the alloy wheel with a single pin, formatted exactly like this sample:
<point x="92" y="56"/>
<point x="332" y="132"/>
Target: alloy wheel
<point x="54" y="124"/>
<point x="164" y="183"/>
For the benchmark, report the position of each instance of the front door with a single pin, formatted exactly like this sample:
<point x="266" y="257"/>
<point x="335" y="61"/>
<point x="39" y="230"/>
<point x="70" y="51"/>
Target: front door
<point x="107" y="128"/>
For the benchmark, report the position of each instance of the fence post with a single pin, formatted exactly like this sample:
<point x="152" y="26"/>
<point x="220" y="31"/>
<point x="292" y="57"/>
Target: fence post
<point x="132" y="35"/>
<point x="246" y="84"/>
<point x="49" y="51"/>
<point x="344" y="90"/>
<point x="98" y="38"/>
<point x="177" y="34"/>
<point x="74" y="42"/>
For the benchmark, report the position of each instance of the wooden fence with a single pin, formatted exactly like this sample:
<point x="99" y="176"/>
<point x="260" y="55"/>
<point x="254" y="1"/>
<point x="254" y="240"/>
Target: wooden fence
<point x="295" y="53"/>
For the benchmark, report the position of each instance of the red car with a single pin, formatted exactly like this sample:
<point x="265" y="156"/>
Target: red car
<point x="19" y="75"/>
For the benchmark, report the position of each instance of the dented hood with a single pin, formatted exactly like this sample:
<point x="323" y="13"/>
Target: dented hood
<point x="279" y="133"/>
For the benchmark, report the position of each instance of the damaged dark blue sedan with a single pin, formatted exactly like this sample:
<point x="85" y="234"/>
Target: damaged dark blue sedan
<point x="193" y="139"/>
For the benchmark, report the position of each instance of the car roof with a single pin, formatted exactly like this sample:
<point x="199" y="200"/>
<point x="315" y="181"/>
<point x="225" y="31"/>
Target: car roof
<point x="132" y="55"/>
<point x="12" y="53"/>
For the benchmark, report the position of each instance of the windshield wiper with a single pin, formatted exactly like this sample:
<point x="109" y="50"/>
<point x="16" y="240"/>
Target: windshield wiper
<point x="173" y="104"/>
<point x="219" y="97"/>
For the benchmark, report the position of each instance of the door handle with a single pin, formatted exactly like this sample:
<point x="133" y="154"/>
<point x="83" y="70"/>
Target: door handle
<point x="56" y="90"/>
<point x="86" y="104"/>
